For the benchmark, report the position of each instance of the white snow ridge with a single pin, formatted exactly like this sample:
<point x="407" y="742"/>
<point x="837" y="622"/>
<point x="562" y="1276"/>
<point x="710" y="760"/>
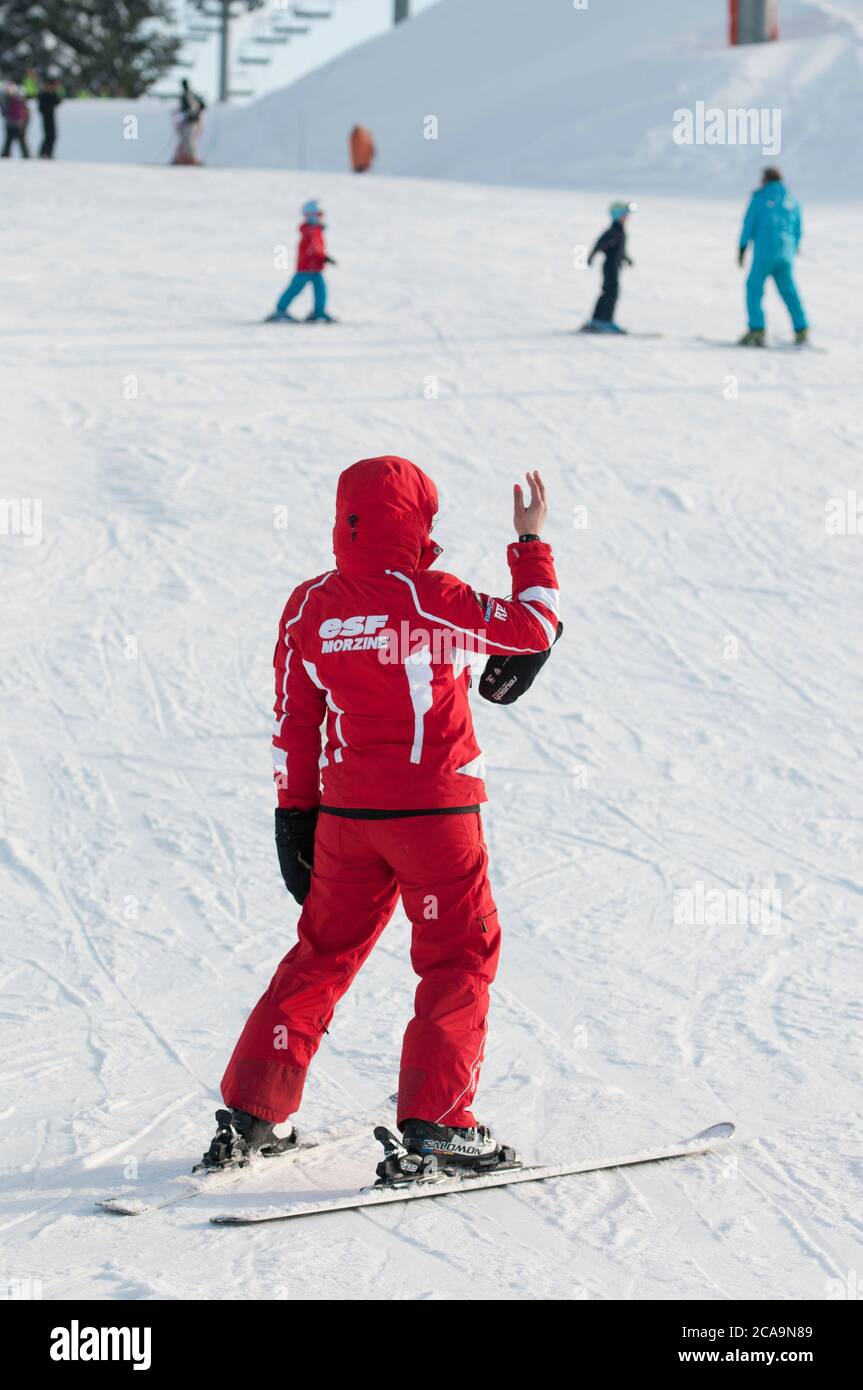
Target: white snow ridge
<point x="675" y="825"/>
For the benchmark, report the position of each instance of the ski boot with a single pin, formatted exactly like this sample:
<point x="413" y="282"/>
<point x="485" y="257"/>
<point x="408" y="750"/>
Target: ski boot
<point x="276" y="317"/>
<point x="429" y="1153"/>
<point x="601" y="326"/>
<point x="240" y="1137"/>
<point x="753" y="337"/>
<point x="320" y="318"/>
<point x="801" y="336"/>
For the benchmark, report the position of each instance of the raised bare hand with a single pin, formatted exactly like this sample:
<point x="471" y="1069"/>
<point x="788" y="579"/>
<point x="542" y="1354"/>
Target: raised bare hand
<point x="530" y="517"/>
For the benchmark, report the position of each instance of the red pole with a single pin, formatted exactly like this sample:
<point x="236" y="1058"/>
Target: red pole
<point x="752" y="21"/>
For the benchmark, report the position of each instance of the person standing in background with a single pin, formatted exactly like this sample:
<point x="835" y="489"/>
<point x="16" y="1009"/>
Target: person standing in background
<point x="189" y="120"/>
<point x="49" y="98"/>
<point x="362" y="147"/>
<point x="16" y="114"/>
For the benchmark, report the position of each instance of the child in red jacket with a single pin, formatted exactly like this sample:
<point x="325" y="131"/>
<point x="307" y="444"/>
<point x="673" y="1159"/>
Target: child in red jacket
<point x="311" y="259"/>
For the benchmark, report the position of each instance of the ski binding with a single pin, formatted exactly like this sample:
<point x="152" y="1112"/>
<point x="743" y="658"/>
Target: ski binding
<point x="400" y="1168"/>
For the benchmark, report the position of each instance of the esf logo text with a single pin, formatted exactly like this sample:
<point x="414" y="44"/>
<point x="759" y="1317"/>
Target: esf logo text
<point x="360" y="633"/>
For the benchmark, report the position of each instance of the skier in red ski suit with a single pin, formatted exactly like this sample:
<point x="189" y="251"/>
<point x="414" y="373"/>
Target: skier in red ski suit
<point x="376" y="650"/>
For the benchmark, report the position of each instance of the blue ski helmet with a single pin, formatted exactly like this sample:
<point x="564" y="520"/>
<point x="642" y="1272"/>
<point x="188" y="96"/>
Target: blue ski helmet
<point x="312" y="210"/>
<point x="619" y="209"/>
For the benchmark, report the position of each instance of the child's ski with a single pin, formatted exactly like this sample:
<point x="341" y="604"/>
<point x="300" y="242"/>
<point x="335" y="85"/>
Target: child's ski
<point x="447" y="1186"/>
<point x="624" y="333"/>
<point x="185" y="1185"/>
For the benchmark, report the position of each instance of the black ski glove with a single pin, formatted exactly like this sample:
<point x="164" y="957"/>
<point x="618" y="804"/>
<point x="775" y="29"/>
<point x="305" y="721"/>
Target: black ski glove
<point x="328" y="260"/>
<point x="295" y="844"/>
<point x="506" y="678"/>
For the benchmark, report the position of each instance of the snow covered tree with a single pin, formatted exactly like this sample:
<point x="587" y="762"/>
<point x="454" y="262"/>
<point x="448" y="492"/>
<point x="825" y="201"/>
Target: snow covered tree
<point x="116" y="46"/>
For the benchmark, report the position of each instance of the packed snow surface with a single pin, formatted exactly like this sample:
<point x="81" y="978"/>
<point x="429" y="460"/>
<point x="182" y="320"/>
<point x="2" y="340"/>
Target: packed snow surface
<point x="699" y="724"/>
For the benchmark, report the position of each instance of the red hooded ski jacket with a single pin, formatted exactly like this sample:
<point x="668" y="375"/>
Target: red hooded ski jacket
<point x="378" y="647"/>
<point x="311" y="253"/>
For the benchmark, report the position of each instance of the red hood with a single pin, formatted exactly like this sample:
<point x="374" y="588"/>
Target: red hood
<point x="384" y="512"/>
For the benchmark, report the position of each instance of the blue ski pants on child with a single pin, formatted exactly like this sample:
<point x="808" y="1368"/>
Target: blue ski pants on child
<point x="298" y="284"/>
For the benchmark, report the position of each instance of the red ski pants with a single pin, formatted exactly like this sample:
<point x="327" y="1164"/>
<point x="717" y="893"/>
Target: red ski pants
<point x="439" y="865"/>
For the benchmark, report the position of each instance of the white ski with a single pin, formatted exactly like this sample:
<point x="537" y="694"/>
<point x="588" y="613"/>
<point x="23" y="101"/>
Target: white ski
<point x="185" y="1185"/>
<point x="624" y="333"/>
<point x="785" y="345"/>
<point x="443" y="1187"/>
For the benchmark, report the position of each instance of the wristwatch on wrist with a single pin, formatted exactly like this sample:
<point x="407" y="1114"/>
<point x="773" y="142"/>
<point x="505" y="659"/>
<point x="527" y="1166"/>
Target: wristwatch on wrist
<point x="528" y="536"/>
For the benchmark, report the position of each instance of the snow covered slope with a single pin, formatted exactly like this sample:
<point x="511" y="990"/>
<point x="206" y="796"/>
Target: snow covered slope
<point x="700" y="723"/>
<point x="538" y="92"/>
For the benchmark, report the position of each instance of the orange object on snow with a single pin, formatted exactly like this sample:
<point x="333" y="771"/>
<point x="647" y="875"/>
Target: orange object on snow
<point x="362" y="149"/>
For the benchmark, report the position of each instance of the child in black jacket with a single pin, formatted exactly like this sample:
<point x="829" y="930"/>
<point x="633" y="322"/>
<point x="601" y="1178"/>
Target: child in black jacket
<point x="612" y="245"/>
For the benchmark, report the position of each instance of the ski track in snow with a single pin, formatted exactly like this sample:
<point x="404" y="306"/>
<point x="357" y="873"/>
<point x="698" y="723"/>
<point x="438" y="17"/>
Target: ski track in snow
<point x="140" y="890"/>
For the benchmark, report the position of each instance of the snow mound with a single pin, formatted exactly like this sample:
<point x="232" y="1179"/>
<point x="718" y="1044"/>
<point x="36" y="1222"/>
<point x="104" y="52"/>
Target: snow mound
<point x="495" y="91"/>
